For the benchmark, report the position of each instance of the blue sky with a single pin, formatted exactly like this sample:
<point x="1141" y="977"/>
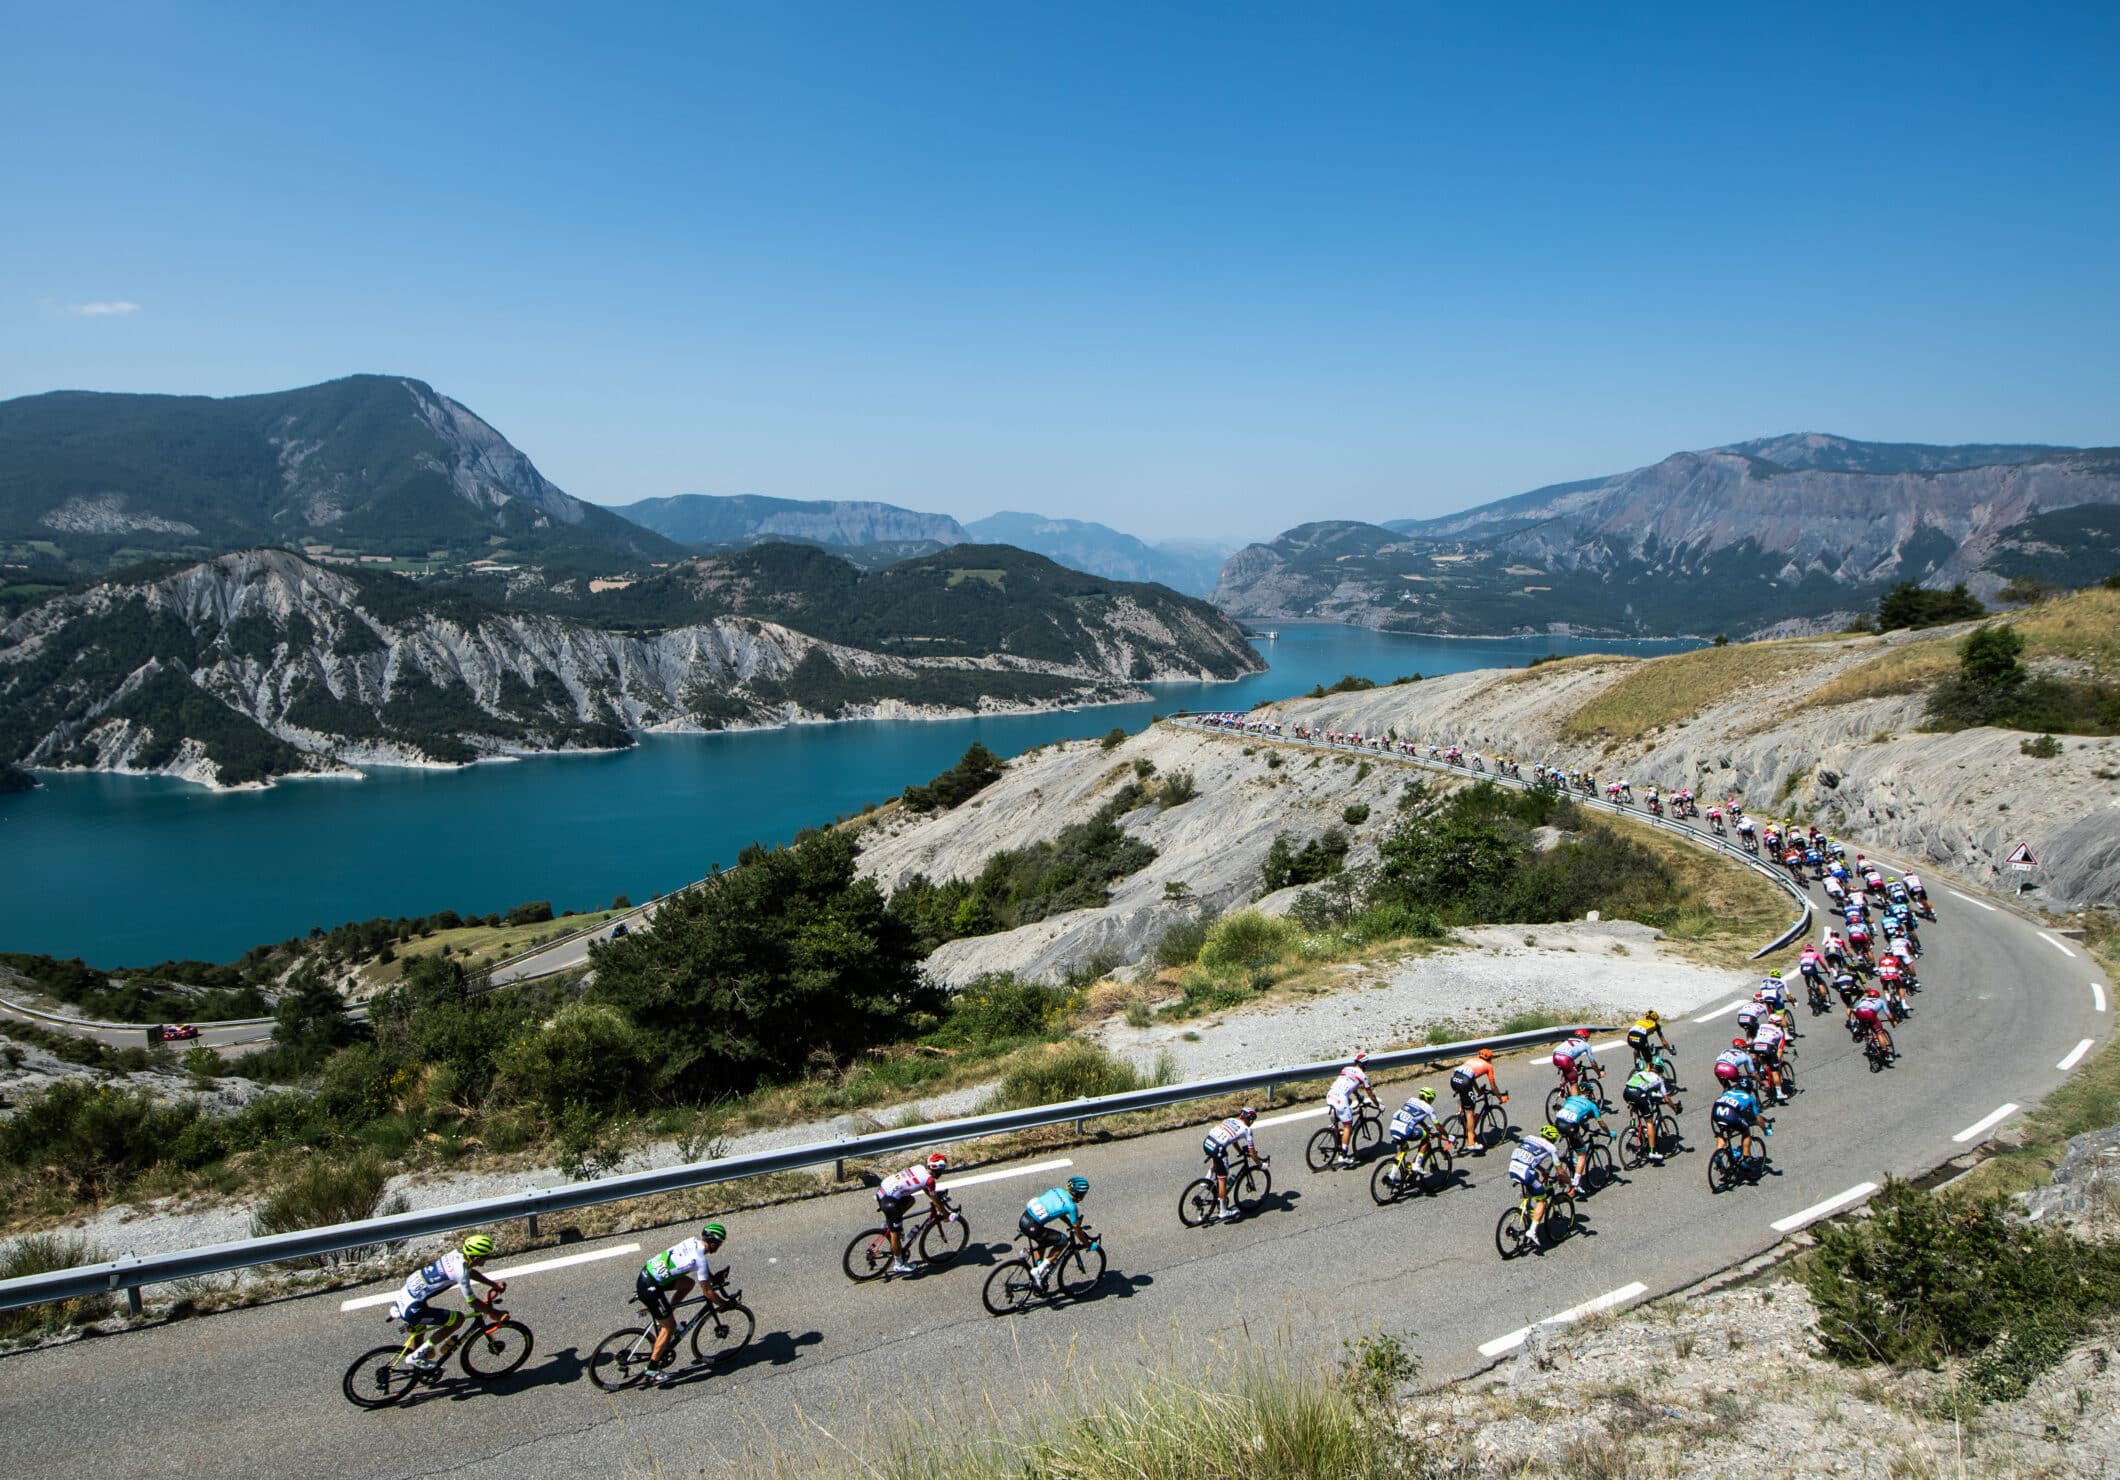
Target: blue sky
<point x="1187" y="269"/>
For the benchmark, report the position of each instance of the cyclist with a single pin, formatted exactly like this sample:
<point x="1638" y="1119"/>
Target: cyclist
<point x="1917" y="890"/>
<point x="1735" y="1113"/>
<point x="1579" y="1118"/>
<point x="458" y="1267"/>
<point x="1767" y="1044"/>
<point x="1645" y="1093"/>
<point x="1647" y="1027"/>
<point x="1750" y="1016"/>
<point x="1867" y="1019"/>
<point x="895" y="1199"/>
<point x="1572" y="1055"/>
<point x="1733" y="1066"/>
<point x="1531" y="1167"/>
<point x="1233" y="1132"/>
<point x="1063" y="1204"/>
<point x="664" y="1282"/>
<point x="1348" y="1092"/>
<point x="1411" y="1126"/>
<point x="1465" y="1080"/>
<point x="1811" y="966"/>
<point x="1835" y="950"/>
<point x="1773" y="994"/>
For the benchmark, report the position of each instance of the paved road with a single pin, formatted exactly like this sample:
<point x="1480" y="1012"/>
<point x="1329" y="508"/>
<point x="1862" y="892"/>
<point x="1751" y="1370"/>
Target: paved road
<point x="256" y="1392"/>
<point x="216" y="1037"/>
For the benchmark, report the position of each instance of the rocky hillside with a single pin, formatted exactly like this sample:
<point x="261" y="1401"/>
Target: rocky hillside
<point x="741" y="519"/>
<point x="1733" y="540"/>
<point x="372" y="465"/>
<point x="259" y="664"/>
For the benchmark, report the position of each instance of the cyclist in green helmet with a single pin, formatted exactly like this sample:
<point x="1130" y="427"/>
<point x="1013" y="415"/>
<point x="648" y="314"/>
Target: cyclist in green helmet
<point x="666" y="1280"/>
<point x="458" y="1267"/>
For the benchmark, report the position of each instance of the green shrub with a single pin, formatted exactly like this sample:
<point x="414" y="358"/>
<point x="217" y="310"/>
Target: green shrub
<point x="998" y="1010"/>
<point x="1069" y="1071"/>
<point x="326" y="1190"/>
<point x="588" y="1054"/>
<point x="976" y="770"/>
<point x="1245" y="940"/>
<point x="41" y="1253"/>
<point x="1113" y="738"/>
<point x="1355" y="814"/>
<point x="2045" y="748"/>
<point x="1178" y="789"/>
<point x="1923" y="1280"/>
<point x="1180" y="944"/>
<point x="1287" y="866"/>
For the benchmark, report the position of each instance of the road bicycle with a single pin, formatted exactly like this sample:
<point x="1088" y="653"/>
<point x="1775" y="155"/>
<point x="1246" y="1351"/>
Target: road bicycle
<point x="1490" y="1122"/>
<point x="1636" y="1142"/>
<point x="935" y="1239"/>
<point x="1815" y="992"/>
<point x="1729" y="1166"/>
<point x="1324" y="1147"/>
<point x="1249" y="1184"/>
<point x="1016" y="1284"/>
<point x="1589" y="1082"/>
<point x="1659" y="1061"/>
<point x="1408" y="1171"/>
<point x="718" y="1333"/>
<point x="1597" y="1159"/>
<point x="488" y="1343"/>
<point x="1877" y="1048"/>
<point x="1512" y="1235"/>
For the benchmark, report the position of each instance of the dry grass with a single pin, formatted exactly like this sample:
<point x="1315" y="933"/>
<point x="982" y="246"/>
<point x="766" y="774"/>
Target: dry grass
<point x="2080" y="628"/>
<point x="1666" y="691"/>
<point x="1735" y="911"/>
<point x="1569" y="665"/>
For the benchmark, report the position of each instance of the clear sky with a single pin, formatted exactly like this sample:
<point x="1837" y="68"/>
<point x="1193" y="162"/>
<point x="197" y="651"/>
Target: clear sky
<point x="1204" y="269"/>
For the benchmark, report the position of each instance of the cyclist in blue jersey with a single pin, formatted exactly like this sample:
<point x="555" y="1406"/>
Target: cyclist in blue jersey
<point x="1578" y="1118"/>
<point x="1055" y="1204"/>
<point x="458" y="1267"/>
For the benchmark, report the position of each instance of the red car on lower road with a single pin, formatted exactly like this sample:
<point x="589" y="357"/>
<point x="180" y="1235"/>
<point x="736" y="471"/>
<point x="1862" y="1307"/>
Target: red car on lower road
<point x="173" y="1032"/>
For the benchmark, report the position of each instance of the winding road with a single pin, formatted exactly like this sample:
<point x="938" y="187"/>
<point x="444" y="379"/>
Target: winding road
<point x="2008" y="1009"/>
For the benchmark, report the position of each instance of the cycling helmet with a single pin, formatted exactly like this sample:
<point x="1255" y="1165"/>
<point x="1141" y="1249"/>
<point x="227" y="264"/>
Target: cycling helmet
<point x="938" y="1162"/>
<point x="1487" y="1054"/>
<point x="1775" y="973"/>
<point x="1739" y="1043"/>
<point x="713" y="1233"/>
<point x="1078" y="1187"/>
<point x="1247" y="1115"/>
<point x="1551" y="1133"/>
<point x="1427" y="1095"/>
<point x="477" y="1247"/>
<point x="1361" y="1057"/>
<point x="1651" y="1017"/>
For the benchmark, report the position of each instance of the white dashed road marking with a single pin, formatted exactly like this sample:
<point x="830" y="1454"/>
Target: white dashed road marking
<point x="1723" y="1011"/>
<point x="538" y="1266"/>
<point x="1029" y="1171"/>
<point x="2057" y="945"/>
<point x="2097" y="997"/>
<point x="1986" y="1123"/>
<point x="1981" y="902"/>
<point x="1605" y="1301"/>
<point x="1825" y="1209"/>
<point x="1315" y="1113"/>
<point x="2075" y="1055"/>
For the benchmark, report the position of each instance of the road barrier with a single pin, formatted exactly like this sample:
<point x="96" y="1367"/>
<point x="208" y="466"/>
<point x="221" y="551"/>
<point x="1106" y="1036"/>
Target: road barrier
<point x="1775" y="876"/>
<point x="74" y="1022"/>
<point x="130" y="1274"/>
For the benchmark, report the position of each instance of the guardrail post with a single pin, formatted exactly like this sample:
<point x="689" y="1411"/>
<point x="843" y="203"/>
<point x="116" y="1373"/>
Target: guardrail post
<point x="531" y="1225"/>
<point x="132" y="1299"/>
<point x="839" y="1170"/>
<point x="1269" y="1094"/>
<point x="1078" y="1126"/>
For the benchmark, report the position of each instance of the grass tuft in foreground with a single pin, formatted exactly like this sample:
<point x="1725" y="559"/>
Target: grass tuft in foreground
<point x="41" y="1253"/>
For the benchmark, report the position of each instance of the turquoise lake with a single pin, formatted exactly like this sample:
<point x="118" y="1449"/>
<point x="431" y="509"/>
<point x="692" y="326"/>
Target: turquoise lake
<point x="125" y="870"/>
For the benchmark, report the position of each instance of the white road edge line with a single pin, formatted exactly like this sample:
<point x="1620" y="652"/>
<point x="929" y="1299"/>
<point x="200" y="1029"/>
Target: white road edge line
<point x="1031" y="1170"/>
<point x="539" y="1266"/>
<point x="1613" y="1047"/>
<point x="2075" y="1055"/>
<point x="1723" y="1011"/>
<point x="2097" y="997"/>
<point x="1311" y="1114"/>
<point x="1970" y="900"/>
<point x="1825" y="1209"/>
<point x="2057" y="945"/>
<point x="1605" y="1301"/>
<point x="1986" y="1123"/>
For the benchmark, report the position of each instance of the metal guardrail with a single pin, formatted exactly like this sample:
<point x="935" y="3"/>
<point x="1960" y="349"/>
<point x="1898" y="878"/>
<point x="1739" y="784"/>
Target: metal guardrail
<point x="129" y="1273"/>
<point x="73" y="1022"/>
<point x="1775" y="876"/>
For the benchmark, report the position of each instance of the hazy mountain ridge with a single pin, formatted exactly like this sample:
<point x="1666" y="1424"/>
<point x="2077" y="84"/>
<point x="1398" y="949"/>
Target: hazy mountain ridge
<point x="734" y="519"/>
<point x="372" y="463"/>
<point x="1724" y="540"/>
<point x="1098" y="549"/>
<point x="262" y="663"/>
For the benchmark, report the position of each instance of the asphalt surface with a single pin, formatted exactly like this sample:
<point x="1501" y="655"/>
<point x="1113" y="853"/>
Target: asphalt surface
<point x="256" y="1392"/>
<point x="120" y="1037"/>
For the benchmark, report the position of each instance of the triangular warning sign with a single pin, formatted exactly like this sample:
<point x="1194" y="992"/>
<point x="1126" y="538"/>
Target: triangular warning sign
<point x="2022" y="853"/>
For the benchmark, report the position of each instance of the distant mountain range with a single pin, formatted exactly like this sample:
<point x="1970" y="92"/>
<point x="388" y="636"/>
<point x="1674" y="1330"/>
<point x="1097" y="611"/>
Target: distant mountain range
<point x="262" y="663"/>
<point x="1780" y="533"/>
<point x="1188" y="566"/>
<point x="372" y="466"/>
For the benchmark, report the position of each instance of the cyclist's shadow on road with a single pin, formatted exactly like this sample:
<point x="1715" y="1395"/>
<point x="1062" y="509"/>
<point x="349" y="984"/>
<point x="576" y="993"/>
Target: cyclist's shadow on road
<point x="1280" y="1200"/>
<point x="774" y="1349"/>
<point x="1114" y="1286"/>
<point x="556" y="1370"/>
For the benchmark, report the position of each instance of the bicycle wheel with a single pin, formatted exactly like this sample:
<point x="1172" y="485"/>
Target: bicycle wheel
<point x="1009" y="1288"/>
<point x="1197" y="1203"/>
<point x="1368" y="1131"/>
<point x="941" y="1242"/>
<point x="1555" y="1098"/>
<point x="1667" y="1139"/>
<point x="1081" y="1271"/>
<point x="621" y="1359"/>
<point x="1722" y="1170"/>
<point x="496" y="1351"/>
<point x="868" y="1256"/>
<point x="1511" y="1233"/>
<point x="1323" y="1150"/>
<point x="1492" y="1126"/>
<point x="1634" y="1145"/>
<point x="1788" y="1077"/>
<point x="1454" y="1133"/>
<point x="1560" y="1219"/>
<point x="1440" y="1170"/>
<point x="1250" y="1188"/>
<point x="1384" y="1184"/>
<point x="719" y="1335"/>
<point x="377" y="1379"/>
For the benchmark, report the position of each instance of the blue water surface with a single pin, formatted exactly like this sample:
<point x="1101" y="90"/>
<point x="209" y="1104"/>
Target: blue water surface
<point x="125" y="870"/>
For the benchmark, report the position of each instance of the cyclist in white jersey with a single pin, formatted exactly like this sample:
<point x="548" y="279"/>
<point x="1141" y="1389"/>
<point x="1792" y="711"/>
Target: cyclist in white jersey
<point x="666" y="1280"/>
<point x="894" y="1199"/>
<point x="1231" y="1134"/>
<point x="458" y="1267"/>
<point x="1348" y="1092"/>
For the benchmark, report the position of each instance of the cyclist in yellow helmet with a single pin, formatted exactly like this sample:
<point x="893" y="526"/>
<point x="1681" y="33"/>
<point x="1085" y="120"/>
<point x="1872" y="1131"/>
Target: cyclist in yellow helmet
<point x="458" y="1267"/>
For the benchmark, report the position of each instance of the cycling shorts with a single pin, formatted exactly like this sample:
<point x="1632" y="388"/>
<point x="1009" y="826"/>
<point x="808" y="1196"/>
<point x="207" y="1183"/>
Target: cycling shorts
<point x="1566" y="1064"/>
<point x="1531" y="1179"/>
<point x="1767" y="1058"/>
<point x="1637" y="1097"/>
<point x="1342" y="1110"/>
<point x="1218" y="1153"/>
<point x="1463" y="1084"/>
<point x="894" y="1209"/>
<point x="652" y="1296"/>
<point x="1041" y="1235"/>
<point x="420" y="1313"/>
<point x="1728" y="1073"/>
<point x="1727" y="1119"/>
